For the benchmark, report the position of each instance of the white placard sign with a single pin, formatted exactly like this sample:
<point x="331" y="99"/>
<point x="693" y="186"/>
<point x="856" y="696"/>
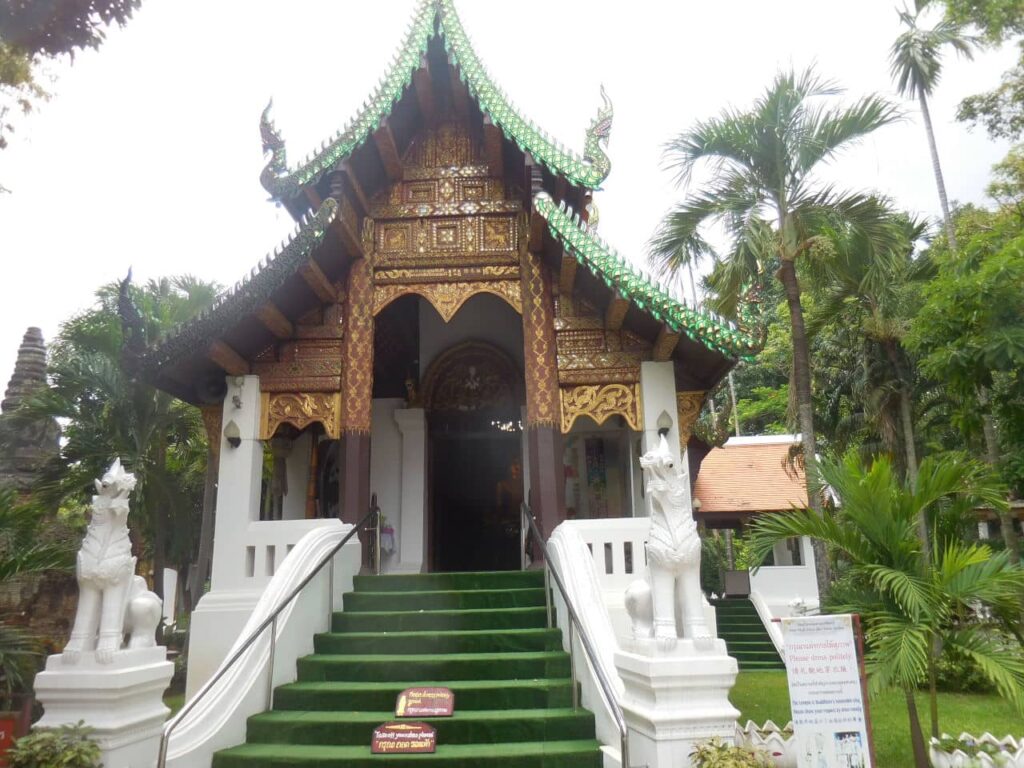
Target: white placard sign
<point x="825" y="692"/>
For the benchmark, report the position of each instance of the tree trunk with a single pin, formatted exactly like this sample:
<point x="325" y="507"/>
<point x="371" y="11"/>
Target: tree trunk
<point x="933" y="688"/>
<point x="937" y="168"/>
<point x="805" y="407"/>
<point x="197" y="579"/>
<point x="916" y="735"/>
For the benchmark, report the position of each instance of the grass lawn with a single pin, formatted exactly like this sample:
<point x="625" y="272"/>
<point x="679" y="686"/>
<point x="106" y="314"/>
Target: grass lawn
<point x="762" y="696"/>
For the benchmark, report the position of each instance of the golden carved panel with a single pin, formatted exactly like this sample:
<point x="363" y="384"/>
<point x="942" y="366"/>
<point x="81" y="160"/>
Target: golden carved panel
<point x="600" y="402"/>
<point x="448" y="297"/>
<point x="444" y="274"/>
<point x="301" y="365"/>
<point x="300" y="409"/>
<point x="688" y="405"/>
<point x="538" y="340"/>
<point x="448" y="240"/>
<point x="357" y="356"/>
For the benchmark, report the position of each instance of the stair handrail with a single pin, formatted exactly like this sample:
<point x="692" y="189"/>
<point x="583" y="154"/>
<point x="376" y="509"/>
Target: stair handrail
<point x="605" y="685"/>
<point x="271" y="621"/>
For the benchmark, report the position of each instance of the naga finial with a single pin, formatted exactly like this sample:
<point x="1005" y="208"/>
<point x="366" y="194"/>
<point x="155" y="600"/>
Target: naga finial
<point x="274" y="144"/>
<point x="597" y="137"/>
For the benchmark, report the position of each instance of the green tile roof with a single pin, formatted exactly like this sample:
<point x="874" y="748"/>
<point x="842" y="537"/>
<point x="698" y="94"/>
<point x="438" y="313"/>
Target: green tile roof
<point x="588" y="170"/>
<point x="617" y="273"/>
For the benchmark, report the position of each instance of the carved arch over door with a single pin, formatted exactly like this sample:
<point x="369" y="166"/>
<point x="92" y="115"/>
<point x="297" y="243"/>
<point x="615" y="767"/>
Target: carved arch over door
<point x="472" y="376"/>
<point x="448" y="297"/>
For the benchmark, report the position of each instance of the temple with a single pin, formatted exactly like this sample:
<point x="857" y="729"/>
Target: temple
<point x="445" y="330"/>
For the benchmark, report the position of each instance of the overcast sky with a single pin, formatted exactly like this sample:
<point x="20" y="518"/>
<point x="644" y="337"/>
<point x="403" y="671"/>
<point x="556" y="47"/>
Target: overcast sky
<point x="149" y="153"/>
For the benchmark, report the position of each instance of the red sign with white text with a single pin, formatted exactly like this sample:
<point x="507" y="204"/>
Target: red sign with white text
<point x="403" y="739"/>
<point x="425" y="702"/>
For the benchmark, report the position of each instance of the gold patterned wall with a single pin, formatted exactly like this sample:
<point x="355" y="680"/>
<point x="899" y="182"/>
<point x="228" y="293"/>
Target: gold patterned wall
<point x="448" y="230"/>
<point x="588" y="353"/>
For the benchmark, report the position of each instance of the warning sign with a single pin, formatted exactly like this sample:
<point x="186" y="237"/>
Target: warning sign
<point x="425" y="702"/>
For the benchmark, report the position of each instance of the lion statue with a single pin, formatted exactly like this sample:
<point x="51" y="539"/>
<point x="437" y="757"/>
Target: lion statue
<point x="673" y="556"/>
<point x="112" y="600"/>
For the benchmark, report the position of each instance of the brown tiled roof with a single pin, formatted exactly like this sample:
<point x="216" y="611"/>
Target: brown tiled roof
<point x="750" y="477"/>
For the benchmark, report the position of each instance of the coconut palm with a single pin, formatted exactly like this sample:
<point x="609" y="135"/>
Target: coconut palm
<point x="915" y="61"/>
<point x="965" y="597"/>
<point x="765" y="192"/>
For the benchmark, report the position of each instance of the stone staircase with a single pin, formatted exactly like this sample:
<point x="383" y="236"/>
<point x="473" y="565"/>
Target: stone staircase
<point x="483" y="635"/>
<point x="745" y="635"/>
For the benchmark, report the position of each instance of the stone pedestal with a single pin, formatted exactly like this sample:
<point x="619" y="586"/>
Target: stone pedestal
<point x="122" y="702"/>
<point x="675" y="699"/>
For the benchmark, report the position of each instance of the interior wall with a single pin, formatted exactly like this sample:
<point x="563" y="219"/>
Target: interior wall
<point x="482" y="318"/>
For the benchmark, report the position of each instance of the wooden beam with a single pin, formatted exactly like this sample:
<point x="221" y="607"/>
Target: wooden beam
<point x="355" y="186"/>
<point x="347" y="226"/>
<point x="567" y="274"/>
<point x="273" y="320"/>
<point x="318" y="282"/>
<point x="616" y="312"/>
<point x="423" y="84"/>
<point x="665" y="344"/>
<point x="494" y="148"/>
<point x="460" y="93"/>
<point x="229" y="361"/>
<point x="388" y="149"/>
<point x="314" y="198"/>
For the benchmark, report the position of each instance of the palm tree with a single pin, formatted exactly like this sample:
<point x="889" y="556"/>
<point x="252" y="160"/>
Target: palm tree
<point x="916" y="66"/>
<point x="765" y="194"/>
<point x="964" y="597"/>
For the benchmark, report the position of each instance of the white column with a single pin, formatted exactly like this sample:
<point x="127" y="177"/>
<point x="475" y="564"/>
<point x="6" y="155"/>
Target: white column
<point x="222" y="612"/>
<point x="238" y="482"/>
<point x="658" y="394"/>
<point x="412" y="529"/>
<point x="294" y="507"/>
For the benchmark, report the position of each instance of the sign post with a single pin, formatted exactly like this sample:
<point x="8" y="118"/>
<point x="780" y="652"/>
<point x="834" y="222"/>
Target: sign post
<point x="827" y="692"/>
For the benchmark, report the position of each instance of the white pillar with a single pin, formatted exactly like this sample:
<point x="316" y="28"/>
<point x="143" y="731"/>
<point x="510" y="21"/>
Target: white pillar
<point x="294" y="506"/>
<point x="658" y="394"/>
<point x="412" y="529"/>
<point x="222" y="612"/>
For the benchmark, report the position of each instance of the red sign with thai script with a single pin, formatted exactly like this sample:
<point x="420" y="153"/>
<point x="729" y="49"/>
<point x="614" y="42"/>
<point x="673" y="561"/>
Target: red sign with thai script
<point x="425" y="702"/>
<point x="403" y="739"/>
<point x="7" y="730"/>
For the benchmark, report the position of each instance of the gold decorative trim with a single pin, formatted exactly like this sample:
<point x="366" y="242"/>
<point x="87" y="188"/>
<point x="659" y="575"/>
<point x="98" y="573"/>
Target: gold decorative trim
<point x="300" y="409"/>
<point x="445" y="274"/>
<point x="599" y="402"/>
<point x="688" y="405"/>
<point x="448" y="298"/>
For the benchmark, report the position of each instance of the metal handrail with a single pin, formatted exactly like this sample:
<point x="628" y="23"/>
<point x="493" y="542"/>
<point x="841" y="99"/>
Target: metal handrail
<point x="607" y="691"/>
<point x="271" y="621"/>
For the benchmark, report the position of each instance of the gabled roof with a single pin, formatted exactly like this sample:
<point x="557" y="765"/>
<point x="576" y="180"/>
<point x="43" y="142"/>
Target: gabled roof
<point x="248" y="294"/>
<point x="750" y="475"/>
<point x="438" y="17"/>
<point x="607" y="264"/>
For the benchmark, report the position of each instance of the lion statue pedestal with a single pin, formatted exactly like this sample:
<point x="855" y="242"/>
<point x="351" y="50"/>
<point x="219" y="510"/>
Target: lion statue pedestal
<point x="677" y="674"/>
<point x="115" y="686"/>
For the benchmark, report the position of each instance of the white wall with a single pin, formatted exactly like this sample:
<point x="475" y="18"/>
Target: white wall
<point x="297" y="465"/>
<point x="482" y="318"/>
<point x="386" y="468"/>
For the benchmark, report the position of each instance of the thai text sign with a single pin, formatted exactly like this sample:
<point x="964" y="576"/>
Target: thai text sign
<point x="403" y="739"/>
<point x="425" y="702"/>
<point x="826" y="692"/>
<point x="7" y="730"/>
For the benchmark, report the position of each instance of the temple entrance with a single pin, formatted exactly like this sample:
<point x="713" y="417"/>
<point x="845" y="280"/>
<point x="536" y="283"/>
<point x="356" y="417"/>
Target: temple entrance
<point x="473" y="394"/>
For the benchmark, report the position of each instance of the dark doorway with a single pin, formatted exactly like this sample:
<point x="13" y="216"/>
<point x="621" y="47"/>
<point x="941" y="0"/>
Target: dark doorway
<point x="477" y="493"/>
<point x="473" y="394"/>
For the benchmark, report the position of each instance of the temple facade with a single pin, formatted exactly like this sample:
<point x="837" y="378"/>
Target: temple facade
<point x="445" y="330"/>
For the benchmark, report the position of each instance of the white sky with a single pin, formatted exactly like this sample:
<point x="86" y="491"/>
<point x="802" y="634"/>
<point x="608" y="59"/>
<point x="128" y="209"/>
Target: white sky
<point x="149" y="153"/>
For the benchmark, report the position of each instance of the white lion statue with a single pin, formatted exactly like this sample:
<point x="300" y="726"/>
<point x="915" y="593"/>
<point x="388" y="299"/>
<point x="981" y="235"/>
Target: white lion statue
<point x="673" y="557"/>
<point x="112" y="600"/>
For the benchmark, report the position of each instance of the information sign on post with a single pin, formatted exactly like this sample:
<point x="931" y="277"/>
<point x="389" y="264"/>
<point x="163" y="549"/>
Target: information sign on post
<point x="827" y="692"/>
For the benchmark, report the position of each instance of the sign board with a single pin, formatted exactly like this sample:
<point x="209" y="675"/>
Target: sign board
<point x="425" y="702"/>
<point x="403" y="739"/>
<point x="827" y="692"/>
<point x="7" y="731"/>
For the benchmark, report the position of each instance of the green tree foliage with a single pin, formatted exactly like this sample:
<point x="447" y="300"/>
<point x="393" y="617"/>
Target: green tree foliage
<point x="764" y="190"/>
<point x="109" y="411"/>
<point x="1001" y="110"/>
<point x="55" y="28"/>
<point x="996" y="19"/>
<point x="964" y="596"/>
<point x="66" y="747"/>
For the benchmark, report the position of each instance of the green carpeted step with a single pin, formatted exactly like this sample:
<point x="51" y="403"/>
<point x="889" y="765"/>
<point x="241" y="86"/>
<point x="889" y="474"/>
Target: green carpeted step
<point x="418" y="582"/>
<point x="583" y="753"/>
<point x="461" y="641"/>
<point x="444" y="600"/>
<point x="464" y="727"/>
<point x="469" y="694"/>
<point x="451" y="666"/>
<point x="402" y="621"/>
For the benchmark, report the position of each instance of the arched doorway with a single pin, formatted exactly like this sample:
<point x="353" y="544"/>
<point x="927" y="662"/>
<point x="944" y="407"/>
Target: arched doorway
<point x="473" y="394"/>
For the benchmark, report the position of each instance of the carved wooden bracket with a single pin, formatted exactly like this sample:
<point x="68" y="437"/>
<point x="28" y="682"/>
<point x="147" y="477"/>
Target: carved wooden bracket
<point x="300" y="409"/>
<point x="688" y="405"/>
<point x="599" y="402"/>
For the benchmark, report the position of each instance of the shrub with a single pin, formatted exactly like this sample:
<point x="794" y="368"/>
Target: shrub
<point x="65" y="747"/>
<point x="717" y="754"/>
<point x="959" y="673"/>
